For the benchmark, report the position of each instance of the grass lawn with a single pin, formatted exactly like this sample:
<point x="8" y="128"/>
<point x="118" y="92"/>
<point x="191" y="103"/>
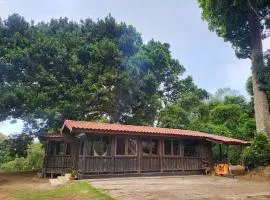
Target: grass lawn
<point x="73" y="190"/>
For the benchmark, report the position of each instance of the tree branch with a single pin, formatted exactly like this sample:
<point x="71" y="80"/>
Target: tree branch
<point x="255" y="11"/>
<point x="266" y="35"/>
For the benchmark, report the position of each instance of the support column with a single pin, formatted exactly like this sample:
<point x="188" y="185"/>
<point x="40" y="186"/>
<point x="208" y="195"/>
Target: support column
<point x="161" y="152"/>
<point x="220" y="152"/>
<point x="139" y="150"/>
<point x="113" y="151"/>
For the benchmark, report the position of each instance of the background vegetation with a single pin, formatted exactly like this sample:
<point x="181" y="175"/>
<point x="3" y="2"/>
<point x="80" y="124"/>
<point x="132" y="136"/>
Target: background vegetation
<point x="103" y="71"/>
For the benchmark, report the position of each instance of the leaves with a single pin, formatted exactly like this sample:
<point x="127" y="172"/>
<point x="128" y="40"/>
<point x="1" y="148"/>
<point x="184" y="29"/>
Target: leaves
<point x="83" y="71"/>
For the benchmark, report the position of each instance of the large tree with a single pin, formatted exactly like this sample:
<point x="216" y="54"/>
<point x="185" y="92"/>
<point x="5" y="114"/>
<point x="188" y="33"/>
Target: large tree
<point x="244" y="23"/>
<point x="84" y="71"/>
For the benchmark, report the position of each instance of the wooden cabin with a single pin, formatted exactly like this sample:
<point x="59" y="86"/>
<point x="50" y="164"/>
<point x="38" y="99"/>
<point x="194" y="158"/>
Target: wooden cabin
<point x="100" y="149"/>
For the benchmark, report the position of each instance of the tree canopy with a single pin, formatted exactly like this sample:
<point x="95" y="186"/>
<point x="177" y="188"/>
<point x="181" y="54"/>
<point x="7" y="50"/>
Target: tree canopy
<point x="245" y="23"/>
<point x="85" y="71"/>
<point x="230" y="20"/>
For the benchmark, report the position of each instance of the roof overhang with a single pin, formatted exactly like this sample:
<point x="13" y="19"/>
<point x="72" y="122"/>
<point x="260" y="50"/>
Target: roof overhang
<point x="117" y="129"/>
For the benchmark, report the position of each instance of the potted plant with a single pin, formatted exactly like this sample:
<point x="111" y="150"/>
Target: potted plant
<point x="71" y="174"/>
<point x="74" y="175"/>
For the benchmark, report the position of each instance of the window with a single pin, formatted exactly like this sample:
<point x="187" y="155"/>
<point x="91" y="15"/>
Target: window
<point x="68" y="149"/>
<point x="101" y="146"/>
<point x="120" y="146"/>
<point x="171" y="147"/>
<point x="132" y="146"/>
<point x="176" y="147"/>
<point x="150" y="147"/>
<point x="81" y="147"/>
<point x="167" y="147"/>
<point x="61" y="148"/>
<point x="126" y="146"/>
<point x="155" y="147"/>
<point x="190" y="148"/>
<point x="146" y="146"/>
<point x="51" y="148"/>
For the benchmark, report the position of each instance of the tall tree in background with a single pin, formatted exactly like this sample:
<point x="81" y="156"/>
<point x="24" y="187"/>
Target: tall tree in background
<point x="244" y="23"/>
<point x="83" y="71"/>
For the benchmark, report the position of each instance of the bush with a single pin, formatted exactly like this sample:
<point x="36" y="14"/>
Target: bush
<point x="258" y="153"/>
<point x="34" y="160"/>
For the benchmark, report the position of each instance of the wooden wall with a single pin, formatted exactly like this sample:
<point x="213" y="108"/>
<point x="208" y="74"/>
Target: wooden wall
<point x="115" y="164"/>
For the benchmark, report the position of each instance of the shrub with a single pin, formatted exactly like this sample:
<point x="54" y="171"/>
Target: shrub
<point x="34" y="160"/>
<point x="258" y="153"/>
<point x="18" y="164"/>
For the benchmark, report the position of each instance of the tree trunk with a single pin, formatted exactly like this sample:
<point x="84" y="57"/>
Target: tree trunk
<point x="261" y="105"/>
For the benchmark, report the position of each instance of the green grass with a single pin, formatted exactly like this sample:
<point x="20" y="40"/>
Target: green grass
<point x="80" y="190"/>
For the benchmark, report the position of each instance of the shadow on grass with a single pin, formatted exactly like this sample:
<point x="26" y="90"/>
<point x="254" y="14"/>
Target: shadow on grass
<point x="72" y="190"/>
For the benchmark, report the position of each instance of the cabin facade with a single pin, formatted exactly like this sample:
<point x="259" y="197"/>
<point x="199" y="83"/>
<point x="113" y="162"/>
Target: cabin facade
<point x="100" y="149"/>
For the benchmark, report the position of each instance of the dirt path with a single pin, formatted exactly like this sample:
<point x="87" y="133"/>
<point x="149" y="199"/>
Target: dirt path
<point x="184" y="188"/>
<point x="11" y="183"/>
<point x="176" y="187"/>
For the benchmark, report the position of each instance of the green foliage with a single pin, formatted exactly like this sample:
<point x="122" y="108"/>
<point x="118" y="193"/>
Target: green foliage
<point x="230" y="20"/>
<point x="227" y="114"/>
<point x="173" y="116"/>
<point x="33" y="160"/>
<point x="17" y="144"/>
<point x="84" y="71"/>
<point x="258" y="153"/>
<point x="80" y="190"/>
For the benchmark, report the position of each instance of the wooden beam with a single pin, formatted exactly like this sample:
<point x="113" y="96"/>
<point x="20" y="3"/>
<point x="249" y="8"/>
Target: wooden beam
<point x="139" y="150"/>
<point x="161" y="142"/>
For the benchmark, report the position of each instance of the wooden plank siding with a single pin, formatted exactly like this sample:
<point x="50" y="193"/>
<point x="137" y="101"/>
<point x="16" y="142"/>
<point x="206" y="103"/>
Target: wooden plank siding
<point x="86" y="163"/>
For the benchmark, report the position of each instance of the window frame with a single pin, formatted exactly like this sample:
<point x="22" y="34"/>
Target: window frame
<point x="125" y="138"/>
<point x="151" y="148"/>
<point x="192" y="143"/>
<point x="172" y="146"/>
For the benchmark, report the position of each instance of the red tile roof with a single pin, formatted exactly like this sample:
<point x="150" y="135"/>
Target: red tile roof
<point x="146" y="130"/>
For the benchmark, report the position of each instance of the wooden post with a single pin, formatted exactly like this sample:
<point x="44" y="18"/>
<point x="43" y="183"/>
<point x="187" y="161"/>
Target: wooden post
<point x="161" y="152"/>
<point x="182" y="153"/>
<point x="220" y="152"/>
<point x="113" y="151"/>
<point x="83" y="139"/>
<point x="139" y="149"/>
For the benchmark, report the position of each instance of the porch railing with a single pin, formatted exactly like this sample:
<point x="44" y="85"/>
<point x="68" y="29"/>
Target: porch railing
<point x="128" y="164"/>
<point x="59" y="161"/>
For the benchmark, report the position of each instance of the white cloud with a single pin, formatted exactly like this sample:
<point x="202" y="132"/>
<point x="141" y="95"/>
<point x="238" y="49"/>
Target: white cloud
<point x="7" y="127"/>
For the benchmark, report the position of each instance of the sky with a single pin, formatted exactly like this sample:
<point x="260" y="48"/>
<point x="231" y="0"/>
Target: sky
<point x="207" y="58"/>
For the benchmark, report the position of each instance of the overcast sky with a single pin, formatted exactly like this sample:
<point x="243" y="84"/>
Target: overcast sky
<point x="206" y="57"/>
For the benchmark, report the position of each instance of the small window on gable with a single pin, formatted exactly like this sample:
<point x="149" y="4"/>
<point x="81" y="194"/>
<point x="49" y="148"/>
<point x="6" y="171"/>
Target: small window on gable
<point x="126" y="146"/>
<point x="150" y="147"/>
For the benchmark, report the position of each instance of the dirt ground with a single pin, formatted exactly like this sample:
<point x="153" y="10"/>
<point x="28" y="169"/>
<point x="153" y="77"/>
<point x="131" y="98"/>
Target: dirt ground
<point x="184" y="188"/>
<point x="139" y="188"/>
<point x="11" y="183"/>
